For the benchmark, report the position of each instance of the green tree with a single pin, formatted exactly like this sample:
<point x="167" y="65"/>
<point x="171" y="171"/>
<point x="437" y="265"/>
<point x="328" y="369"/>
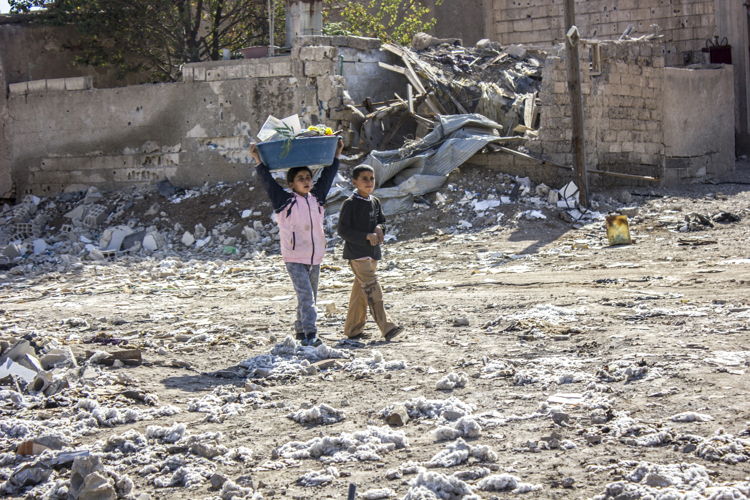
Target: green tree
<point x="390" y="20"/>
<point x="156" y="36"/>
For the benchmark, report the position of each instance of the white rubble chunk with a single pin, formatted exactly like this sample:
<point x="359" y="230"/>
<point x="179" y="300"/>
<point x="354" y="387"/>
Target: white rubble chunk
<point x="429" y="485"/>
<point x="321" y="414"/>
<point x="346" y="447"/>
<point x="452" y="381"/>
<point x="318" y="477"/>
<point x="459" y="452"/>
<point x="506" y="482"/>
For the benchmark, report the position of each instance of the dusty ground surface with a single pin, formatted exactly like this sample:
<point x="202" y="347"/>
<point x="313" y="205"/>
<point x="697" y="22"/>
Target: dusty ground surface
<point x="575" y="362"/>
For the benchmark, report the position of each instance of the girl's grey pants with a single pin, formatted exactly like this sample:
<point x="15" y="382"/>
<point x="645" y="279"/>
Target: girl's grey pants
<point x="305" y="281"/>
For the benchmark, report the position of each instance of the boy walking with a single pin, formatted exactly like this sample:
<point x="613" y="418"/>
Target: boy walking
<point x="362" y="227"/>
<point x="300" y="217"/>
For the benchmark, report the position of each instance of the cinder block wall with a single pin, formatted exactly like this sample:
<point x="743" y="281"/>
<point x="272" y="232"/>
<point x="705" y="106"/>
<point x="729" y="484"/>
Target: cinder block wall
<point x="632" y="111"/>
<point x="64" y="137"/>
<point x="685" y="24"/>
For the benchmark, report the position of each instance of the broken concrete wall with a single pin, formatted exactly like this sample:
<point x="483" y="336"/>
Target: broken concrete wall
<point x="36" y="52"/>
<point x="357" y="61"/>
<point x="698" y="118"/>
<point x="629" y="102"/>
<point x="191" y="132"/>
<point x="685" y="24"/>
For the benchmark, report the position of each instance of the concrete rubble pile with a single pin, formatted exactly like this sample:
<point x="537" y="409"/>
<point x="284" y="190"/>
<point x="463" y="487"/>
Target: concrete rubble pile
<point x="57" y="232"/>
<point x="499" y="83"/>
<point x="233" y="221"/>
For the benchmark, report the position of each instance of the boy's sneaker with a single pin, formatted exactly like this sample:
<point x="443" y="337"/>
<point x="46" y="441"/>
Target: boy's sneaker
<point x="311" y="340"/>
<point x="396" y="330"/>
<point x="299" y="336"/>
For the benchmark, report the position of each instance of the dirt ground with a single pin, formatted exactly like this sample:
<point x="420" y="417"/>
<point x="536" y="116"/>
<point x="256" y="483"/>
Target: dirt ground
<point x="572" y="359"/>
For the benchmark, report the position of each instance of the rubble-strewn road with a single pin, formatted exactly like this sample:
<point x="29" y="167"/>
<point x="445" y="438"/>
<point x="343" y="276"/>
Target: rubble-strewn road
<point x="567" y="368"/>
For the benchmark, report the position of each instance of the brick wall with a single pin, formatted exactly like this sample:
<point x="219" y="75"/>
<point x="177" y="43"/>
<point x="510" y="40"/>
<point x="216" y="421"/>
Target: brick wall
<point x="685" y="24"/>
<point x="634" y="122"/>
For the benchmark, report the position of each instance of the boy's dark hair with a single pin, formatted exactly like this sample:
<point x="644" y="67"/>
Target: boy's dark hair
<point x="356" y="171"/>
<point x="292" y="173"/>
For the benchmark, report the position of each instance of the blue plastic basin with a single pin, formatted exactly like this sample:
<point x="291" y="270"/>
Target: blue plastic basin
<point x="304" y="151"/>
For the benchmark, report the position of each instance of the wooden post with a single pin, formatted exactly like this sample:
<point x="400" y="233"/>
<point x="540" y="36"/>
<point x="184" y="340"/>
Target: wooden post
<point x="576" y="101"/>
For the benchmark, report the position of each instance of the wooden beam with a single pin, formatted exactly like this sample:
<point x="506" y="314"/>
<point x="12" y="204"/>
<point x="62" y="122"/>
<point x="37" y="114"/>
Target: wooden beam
<point x="391" y="67"/>
<point x="533" y="158"/>
<point x="625" y="176"/>
<point x="413" y="78"/>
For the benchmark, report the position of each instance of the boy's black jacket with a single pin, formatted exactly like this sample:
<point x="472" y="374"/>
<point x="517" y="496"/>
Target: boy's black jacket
<point x="357" y="219"/>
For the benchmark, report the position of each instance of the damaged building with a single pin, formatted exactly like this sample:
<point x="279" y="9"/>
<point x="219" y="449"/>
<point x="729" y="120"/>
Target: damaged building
<point x="642" y="94"/>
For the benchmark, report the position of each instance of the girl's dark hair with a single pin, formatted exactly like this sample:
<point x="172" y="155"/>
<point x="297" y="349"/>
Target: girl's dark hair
<point x="361" y="168"/>
<point x="292" y="172"/>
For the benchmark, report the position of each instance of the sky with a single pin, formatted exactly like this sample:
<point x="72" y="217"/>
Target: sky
<point x="4" y="7"/>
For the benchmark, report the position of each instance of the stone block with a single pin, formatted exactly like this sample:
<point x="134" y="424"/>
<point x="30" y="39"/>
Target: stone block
<point x="199" y="74"/>
<point x="261" y="70"/>
<point x="56" y="84"/>
<point x="281" y="68"/>
<point x="79" y="83"/>
<point x="316" y="53"/>
<point x="233" y="73"/>
<point x="187" y="73"/>
<point x="314" y="68"/>
<point x="37" y="86"/>
<point x="215" y="74"/>
<point x="19" y="88"/>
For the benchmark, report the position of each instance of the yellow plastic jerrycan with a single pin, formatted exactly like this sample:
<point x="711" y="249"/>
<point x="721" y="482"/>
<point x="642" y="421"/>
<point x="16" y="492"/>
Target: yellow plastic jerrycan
<point x="617" y="230"/>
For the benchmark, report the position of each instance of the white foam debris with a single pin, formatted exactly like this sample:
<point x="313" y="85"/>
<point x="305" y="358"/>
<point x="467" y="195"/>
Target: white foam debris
<point x="318" y="477"/>
<point x="166" y="434"/>
<point x="452" y="381"/>
<point x="459" y="452"/>
<point x="729" y="358"/>
<point x="724" y="448"/>
<point x="233" y="491"/>
<point x="131" y="441"/>
<point x="429" y="485"/>
<point x="346" y="447"/>
<point x="690" y="416"/>
<point x="673" y="481"/>
<point x="103" y="416"/>
<point x="375" y="364"/>
<point x="550" y="313"/>
<point x="318" y="415"/>
<point x="659" y="438"/>
<point x="407" y="468"/>
<point x="377" y="494"/>
<point x="189" y="476"/>
<point x="495" y="368"/>
<point x="445" y="409"/>
<point x="228" y="401"/>
<point x="289" y="360"/>
<point x="472" y="474"/>
<point x="506" y="482"/>
<point x="464" y="427"/>
<point x="628" y="371"/>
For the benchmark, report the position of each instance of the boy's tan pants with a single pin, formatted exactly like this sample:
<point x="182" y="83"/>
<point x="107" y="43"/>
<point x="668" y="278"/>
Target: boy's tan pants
<point x="366" y="292"/>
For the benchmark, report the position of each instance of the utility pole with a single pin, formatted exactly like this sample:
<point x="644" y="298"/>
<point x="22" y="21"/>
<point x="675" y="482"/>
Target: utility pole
<point x="576" y="101"/>
<point x="270" y="28"/>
